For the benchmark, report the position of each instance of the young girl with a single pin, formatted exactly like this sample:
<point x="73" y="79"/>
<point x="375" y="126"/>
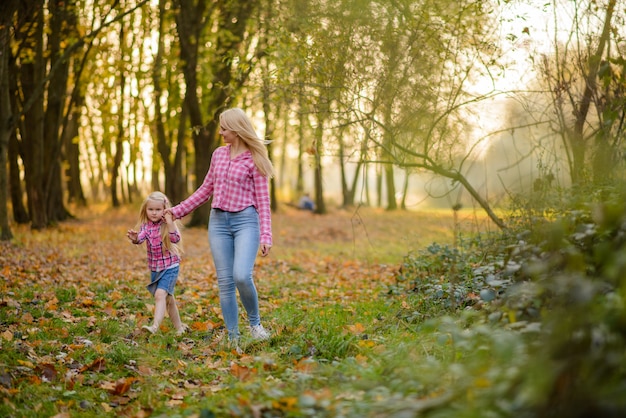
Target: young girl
<point x="240" y="220"/>
<point x="163" y="243"/>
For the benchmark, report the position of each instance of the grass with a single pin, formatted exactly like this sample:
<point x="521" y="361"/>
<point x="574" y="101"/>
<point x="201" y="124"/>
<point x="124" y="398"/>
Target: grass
<point x="71" y="309"/>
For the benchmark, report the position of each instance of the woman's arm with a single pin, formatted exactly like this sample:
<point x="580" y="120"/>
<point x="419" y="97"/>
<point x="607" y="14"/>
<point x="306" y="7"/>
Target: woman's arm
<point x="197" y="198"/>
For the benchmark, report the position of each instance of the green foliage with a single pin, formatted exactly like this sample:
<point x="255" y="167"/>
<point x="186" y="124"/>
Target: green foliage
<point x="560" y="286"/>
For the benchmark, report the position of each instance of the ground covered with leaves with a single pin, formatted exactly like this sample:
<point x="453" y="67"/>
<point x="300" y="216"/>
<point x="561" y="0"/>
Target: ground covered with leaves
<point x="372" y="313"/>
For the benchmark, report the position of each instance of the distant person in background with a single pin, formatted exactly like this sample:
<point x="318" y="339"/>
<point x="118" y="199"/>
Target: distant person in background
<point x="306" y="203"/>
<point x="163" y="244"/>
<point x="240" y="221"/>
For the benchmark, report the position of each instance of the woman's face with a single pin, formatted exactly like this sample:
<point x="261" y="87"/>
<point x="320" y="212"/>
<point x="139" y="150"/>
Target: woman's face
<point x="230" y="137"/>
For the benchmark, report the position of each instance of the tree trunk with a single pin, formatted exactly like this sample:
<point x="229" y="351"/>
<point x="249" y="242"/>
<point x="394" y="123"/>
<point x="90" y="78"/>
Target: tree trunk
<point x="348" y="191"/>
<point x="320" y="205"/>
<point x="190" y="22"/>
<point x="178" y="181"/>
<point x="72" y="155"/>
<point x="119" y="141"/>
<point x="20" y="214"/>
<point x="6" y="114"/>
<point x="32" y="74"/>
<point x="301" y="148"/>
<point x="231" y="27"/>
<point x="390" y="184"/>
<point x="59" y="30"/>
<point x="577" y="140"/>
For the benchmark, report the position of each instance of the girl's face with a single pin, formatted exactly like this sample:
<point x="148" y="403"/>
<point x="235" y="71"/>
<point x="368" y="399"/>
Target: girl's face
<point x="155" y="210"/>
<point x="230" y="137"/>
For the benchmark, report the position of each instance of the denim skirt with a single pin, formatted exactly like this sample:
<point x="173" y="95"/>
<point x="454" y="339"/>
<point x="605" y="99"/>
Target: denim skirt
<point x="164" y="279"/>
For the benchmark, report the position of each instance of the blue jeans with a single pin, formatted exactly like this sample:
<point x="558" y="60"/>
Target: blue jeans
<point x="234" y="238"/>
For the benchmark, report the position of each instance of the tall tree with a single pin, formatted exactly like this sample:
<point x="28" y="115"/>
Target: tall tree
<point x="226" y="66"/>
<point x="585" y="78"/>
<point x="32" y="73"/>
<point x="7" y="14"/>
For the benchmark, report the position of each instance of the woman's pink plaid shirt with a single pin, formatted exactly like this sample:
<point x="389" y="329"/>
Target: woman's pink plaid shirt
<point x="235" y="185"/>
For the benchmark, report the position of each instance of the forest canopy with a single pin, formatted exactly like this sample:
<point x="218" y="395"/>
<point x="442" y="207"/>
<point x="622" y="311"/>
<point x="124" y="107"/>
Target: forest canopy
<point x="369" y="102"/>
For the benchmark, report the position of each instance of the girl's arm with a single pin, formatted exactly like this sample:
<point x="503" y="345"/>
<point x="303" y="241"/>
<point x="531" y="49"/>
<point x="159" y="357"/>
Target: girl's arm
<point x="137" y="237"/>
<point x="132" y="235"/>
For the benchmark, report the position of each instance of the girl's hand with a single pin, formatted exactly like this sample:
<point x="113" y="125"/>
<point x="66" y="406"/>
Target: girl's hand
<point x="265" y="249"/>
<point x="169" y="218"/>
<point x="132" y="235"/>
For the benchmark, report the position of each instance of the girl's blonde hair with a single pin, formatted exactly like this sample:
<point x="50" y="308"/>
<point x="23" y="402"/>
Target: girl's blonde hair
<point x="175" y="248"/>
<point x="236" y="120"/>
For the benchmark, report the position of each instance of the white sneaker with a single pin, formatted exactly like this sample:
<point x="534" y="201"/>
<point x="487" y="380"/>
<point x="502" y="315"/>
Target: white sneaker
<point x="150" y="328"/>
<point x="233" y="344"/>
<point x="259" y="333"/>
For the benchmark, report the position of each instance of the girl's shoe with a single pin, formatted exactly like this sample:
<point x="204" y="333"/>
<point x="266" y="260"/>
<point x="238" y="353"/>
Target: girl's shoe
<point x="184" y="328"/>
<point x="150" y="328"/>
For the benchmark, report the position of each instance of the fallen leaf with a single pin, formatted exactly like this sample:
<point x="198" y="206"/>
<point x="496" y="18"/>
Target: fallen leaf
<point x="306" y="365"/>
<point x="122" y="385"/>
<point x="241" y="372"/>
<point x="48" y="371"/>
<point x="96" y="366"/>
<point x="356" y="329"/>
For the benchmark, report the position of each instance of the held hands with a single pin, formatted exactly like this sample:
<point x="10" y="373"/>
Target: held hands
<point x="168" y="216"/>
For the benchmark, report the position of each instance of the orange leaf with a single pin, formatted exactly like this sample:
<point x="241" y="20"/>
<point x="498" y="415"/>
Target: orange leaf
<point x="122" y="386"/>
<point x="48" y="371"/>
<point x="97" y="365"/>
<point x="306" y="365"/>
<point x="286" y="404"/>
<point x="241" y="372"/>
<point x="27" y="318"/>
<point x="144" y="370"/>
<point x="199" y="326"/>
<point x="109" y="310"/>
<point x="356" y="329"/>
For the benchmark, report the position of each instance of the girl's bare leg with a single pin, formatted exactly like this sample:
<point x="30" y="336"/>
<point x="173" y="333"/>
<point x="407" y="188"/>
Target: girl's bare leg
<point x="172" y="311"/>
<point x="160" y="301"/>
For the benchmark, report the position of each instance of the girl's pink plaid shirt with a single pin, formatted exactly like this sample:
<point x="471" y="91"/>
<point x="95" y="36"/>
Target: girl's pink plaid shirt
<point x="158" y="257"/>
<point x="235" y="185"/>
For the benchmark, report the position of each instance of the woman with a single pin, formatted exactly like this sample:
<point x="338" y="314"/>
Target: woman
<point x="240" y="217"/>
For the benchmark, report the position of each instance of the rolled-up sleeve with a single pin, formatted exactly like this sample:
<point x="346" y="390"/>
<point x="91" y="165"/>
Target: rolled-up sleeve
<point x="262" y="199"/>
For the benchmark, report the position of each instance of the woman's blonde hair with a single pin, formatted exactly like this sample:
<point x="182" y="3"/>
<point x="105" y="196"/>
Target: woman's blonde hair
<point x="174" y="248"/>
<point x="236" y="120"/>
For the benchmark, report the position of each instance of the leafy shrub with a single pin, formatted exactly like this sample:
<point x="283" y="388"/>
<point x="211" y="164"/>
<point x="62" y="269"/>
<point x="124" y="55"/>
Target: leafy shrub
<point x="564" y="277"/>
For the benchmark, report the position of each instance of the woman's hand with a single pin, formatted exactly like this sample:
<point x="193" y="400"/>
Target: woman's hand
<point x="265" y="249"/>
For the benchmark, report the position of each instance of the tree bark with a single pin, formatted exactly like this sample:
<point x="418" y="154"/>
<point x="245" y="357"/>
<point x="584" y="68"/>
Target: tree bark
<point x="60" y="29"/>
<point x="32" y="132"/>
<point x="75" y="192"/>
<point x="577" y="139"/>
<point x="7" y="10"/>
<point x="119" y="140"/>
<point x="320" y="205"/>
<point x="231" y="27"/>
